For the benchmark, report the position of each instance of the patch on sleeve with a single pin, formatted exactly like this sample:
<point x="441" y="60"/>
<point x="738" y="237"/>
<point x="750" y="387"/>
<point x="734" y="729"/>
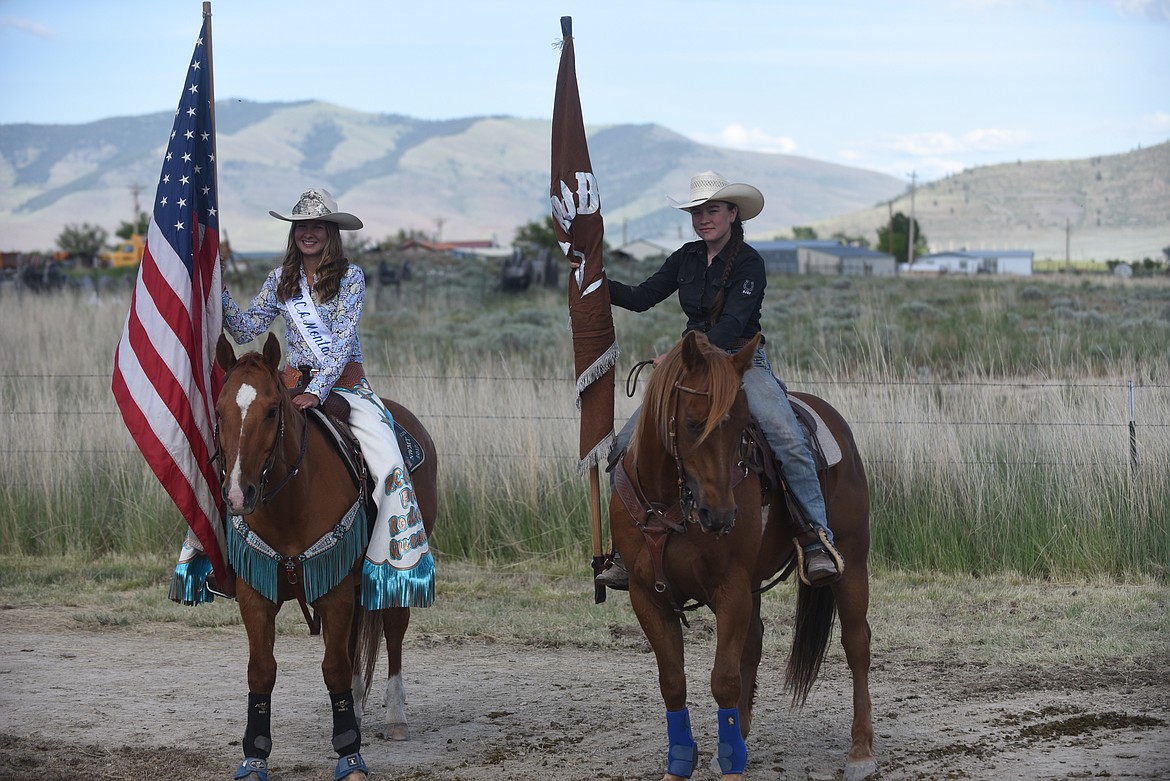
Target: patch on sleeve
<point x="749" y="287"/>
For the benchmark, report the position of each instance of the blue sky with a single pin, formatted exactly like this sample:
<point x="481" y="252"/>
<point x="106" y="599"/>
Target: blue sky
<point x="923" y="86"/>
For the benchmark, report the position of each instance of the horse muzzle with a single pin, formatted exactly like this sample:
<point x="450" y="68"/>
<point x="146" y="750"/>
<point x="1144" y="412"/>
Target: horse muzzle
<point x="716" y="521"/>
<point x="241" y="499"/>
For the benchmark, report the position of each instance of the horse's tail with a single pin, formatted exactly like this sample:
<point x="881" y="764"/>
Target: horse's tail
<point x="816" y="611"/>
<point x="367" y="643"/>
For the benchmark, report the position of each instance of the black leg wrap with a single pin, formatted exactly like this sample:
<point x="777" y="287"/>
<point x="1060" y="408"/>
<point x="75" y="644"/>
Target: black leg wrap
<point x="258" y="735"/>
<point x="347" y="736"/>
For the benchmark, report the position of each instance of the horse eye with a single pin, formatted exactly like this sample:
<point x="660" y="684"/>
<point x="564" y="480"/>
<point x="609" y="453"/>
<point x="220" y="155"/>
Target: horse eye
<point x="695" y="426"/>
<point x="271" y="412"/>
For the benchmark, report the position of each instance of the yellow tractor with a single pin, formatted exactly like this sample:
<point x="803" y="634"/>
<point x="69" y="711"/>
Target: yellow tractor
<point x="125" y="253"/>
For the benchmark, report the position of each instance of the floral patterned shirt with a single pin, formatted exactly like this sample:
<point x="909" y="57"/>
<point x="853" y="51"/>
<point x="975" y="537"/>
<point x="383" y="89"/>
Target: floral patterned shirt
<point x="341" y="315"/>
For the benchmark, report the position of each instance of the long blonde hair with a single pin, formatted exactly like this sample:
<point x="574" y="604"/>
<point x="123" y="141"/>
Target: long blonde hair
<point x="329" y="271"/>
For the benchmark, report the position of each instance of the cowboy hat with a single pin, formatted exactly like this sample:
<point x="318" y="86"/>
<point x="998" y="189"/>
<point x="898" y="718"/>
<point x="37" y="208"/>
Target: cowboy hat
<point x="318" y="204"/>
<point x="710" y="186"/>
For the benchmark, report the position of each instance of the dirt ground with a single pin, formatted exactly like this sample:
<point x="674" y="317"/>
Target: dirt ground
<point x="164" y="701"/>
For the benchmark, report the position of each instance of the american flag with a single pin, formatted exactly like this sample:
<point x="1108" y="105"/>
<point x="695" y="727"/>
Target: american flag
<point x="165" y="378"/>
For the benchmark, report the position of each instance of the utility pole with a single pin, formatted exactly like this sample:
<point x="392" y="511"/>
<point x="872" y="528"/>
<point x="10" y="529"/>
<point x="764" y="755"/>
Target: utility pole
<point x="439" y="228"/>
<point x="910" y="249"/>
<point x="890" y="229"/>
<point x="135" y="189"/>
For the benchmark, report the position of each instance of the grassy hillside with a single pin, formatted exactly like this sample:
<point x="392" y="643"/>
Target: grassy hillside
<point x="476" y="177"/>
<point x="1115" y="207"/>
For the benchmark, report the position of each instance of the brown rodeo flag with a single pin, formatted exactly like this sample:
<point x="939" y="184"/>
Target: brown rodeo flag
<point x="576" y="210"/>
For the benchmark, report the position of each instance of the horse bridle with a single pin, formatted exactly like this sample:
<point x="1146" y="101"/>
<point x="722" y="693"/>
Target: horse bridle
<point x="294" y="468"/>
<point x="686" y="497"/>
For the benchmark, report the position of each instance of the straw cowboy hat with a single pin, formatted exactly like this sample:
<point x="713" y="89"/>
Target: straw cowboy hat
<point x="318" y="204"/>
<point x="710" y="186"/>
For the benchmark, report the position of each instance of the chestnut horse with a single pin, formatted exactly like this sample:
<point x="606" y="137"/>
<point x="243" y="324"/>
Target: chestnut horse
<point x="294" y="494"/>
<point x="686" y="517"/>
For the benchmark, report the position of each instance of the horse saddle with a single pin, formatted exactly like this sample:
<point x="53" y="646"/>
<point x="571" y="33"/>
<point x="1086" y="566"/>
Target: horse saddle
<point x="333" y="415"/>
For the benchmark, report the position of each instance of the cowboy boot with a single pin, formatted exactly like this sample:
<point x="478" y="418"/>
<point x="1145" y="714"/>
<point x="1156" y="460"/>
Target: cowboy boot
<point x="615" y="575"/>
<point x="818" y="562"/>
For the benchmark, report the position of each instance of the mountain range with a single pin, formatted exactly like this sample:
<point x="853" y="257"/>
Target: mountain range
<point x="482" y="177"/>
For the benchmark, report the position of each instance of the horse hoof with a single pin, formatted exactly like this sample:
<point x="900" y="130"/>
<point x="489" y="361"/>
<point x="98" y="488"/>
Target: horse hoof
<point x="859" y="771"/>
<point x="396" y="732"/>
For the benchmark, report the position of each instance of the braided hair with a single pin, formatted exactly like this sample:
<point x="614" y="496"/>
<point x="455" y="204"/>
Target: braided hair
<point x="734" y="243"/>
<point x="329" y="271"/>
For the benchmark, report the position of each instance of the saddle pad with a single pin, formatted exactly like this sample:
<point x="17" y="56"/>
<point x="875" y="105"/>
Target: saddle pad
<point x="821" y="431"/>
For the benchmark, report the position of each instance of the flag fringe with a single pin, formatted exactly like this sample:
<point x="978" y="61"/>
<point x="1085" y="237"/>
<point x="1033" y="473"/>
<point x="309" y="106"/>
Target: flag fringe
<point x="598" y="454"/>
<point x="604" y="363"/>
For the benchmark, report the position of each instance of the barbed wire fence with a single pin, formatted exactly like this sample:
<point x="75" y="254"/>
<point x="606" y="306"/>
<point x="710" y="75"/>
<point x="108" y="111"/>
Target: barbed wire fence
<point x="1126" y="431"/>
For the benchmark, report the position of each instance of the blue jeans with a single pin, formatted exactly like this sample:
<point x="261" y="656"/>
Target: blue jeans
<point x="768" y="401"/>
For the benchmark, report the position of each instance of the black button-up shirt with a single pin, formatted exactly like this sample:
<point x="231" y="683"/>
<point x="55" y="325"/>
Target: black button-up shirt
<point x="697" y="284"/>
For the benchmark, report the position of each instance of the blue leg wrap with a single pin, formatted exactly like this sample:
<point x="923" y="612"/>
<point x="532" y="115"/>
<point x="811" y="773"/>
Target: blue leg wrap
<point x="350" y="764"/>
<point x="732" y="749"/>
<point x="252" y="765"/>
<point x="680" y="760"/>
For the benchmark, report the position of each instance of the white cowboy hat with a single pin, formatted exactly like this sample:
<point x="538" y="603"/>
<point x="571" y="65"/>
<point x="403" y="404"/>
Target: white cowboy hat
<point x="318" y="204"/>
<point x="710" y="186"/>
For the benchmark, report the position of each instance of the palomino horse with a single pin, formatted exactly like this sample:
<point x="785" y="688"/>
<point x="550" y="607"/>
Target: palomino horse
<point x="686" y="517"/>
<point x="286" y="477"/>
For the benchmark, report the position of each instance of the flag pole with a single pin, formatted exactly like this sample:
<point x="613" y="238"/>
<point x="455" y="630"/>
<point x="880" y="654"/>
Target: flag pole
<point x="211" y="101"/>
<point x="576" y="203"/>
<point x="598" y="551"/>
<point x="228" y="589"/>
<point x="594" y="471"/>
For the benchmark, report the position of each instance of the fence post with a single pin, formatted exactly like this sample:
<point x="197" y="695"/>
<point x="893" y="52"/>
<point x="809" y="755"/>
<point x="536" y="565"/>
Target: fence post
<point x="1132" y="432"/>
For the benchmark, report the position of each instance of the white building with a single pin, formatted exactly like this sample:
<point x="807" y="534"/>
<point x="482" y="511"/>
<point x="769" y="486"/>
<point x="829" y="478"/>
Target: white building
<point x="1007" y="261"/>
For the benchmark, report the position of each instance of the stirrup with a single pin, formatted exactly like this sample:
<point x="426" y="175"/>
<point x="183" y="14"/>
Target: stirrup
<point x="822" y="558"/>
<point x="615" y="576"/>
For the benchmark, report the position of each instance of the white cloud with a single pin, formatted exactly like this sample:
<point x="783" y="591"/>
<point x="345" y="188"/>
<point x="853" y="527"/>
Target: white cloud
<point x="1159" y="122"/>
<point x="736" y="136"/>
<point x="973" y="141"/>
<point x="24" y="25"/>
<point x="1156" y="10"/>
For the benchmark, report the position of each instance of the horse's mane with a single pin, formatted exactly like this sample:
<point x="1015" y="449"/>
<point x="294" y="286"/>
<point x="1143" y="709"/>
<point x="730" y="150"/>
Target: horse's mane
<point x="711" y="372"/>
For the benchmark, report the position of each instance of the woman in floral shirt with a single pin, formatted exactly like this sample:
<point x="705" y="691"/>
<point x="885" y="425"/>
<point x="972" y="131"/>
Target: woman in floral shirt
<point x="319" y="294"/>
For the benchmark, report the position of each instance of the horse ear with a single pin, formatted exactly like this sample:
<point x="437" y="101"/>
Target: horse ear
<point x="225" y="356"/>
<point x="743" y="359"/>
<point x="272" y="351"/>
<point x="692" y="355"/>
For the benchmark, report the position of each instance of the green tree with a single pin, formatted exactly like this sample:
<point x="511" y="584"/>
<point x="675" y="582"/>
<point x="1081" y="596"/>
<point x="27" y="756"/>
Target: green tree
<point x="403" y="236"/>
<point x="83" y="240"/>
<point x="851" y="241"/>
<point x="139" y="226"/>
<point x="538" y="233"/>
<point x="804" y="233"/>
<point x="898" y="243"/>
